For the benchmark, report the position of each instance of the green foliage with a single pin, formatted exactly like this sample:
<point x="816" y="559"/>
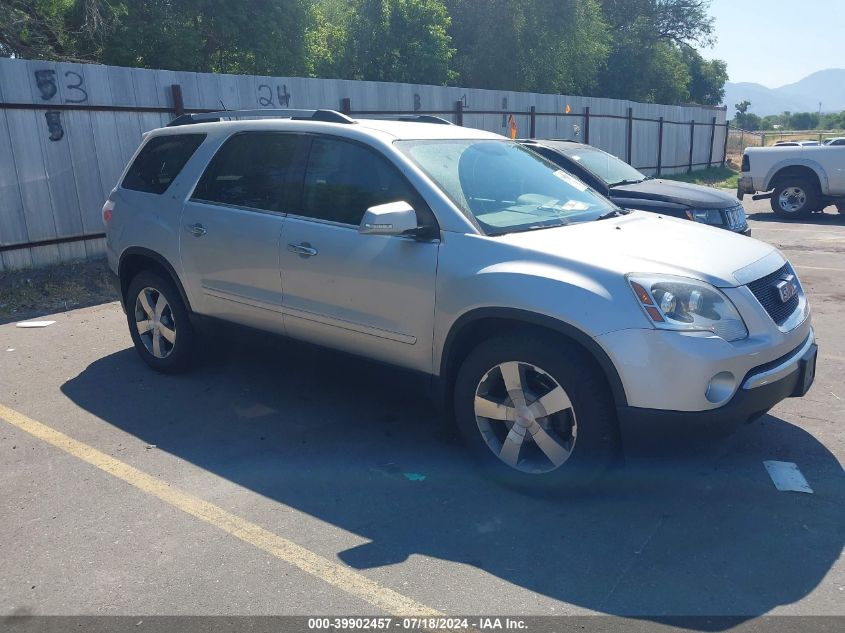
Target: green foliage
<point x="650" y="58"/>
<point x="536" y="45"/>
<point x="634" y="49"/>
<point x="792" y="121"/>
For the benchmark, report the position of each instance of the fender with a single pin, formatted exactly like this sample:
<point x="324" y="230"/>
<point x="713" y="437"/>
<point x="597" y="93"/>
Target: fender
<point x="541" y="320"/>
<point x="797" y="162"/>
<point x="159" y="259"/>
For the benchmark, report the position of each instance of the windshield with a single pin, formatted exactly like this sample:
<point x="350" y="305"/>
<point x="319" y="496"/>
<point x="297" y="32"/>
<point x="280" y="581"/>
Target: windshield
<point x="606" y="166"/>
<point x="504" y="186"/>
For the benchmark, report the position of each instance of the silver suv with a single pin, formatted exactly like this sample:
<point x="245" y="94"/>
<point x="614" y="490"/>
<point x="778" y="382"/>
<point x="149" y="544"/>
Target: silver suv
<point x="543" y="314"/>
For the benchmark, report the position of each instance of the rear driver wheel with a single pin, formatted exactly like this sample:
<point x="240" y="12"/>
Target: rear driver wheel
<point x="795" y="197"/>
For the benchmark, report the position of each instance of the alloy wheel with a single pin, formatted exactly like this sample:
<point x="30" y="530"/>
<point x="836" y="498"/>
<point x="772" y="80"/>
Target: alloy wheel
<point x="155" y="322"/>
<point x="525" y="417"/>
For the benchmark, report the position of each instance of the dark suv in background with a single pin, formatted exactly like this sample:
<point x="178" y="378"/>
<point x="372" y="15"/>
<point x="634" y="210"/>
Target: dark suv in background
<point x="631" y="189"/>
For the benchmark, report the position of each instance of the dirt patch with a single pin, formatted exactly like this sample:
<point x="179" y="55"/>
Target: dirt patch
<point x="32" y="292"/>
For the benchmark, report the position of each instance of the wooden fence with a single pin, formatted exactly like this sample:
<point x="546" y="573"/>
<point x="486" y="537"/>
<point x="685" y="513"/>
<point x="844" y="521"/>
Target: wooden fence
<point x="67" y="131"/>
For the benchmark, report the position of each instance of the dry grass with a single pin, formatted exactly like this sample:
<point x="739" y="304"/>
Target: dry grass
<point x="38" y="291"/>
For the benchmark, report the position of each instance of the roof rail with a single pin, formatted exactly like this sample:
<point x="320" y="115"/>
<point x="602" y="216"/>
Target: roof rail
<point x="410" y="118"/>
<point x="330" y="116"/>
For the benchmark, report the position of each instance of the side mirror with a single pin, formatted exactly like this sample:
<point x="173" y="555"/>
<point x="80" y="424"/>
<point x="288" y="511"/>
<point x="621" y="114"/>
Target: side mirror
<point x="393" y="218"/>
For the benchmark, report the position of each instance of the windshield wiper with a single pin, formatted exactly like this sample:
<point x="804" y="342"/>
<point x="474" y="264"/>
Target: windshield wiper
<point x="612" y="213"/>
<point x="627" y="182"/>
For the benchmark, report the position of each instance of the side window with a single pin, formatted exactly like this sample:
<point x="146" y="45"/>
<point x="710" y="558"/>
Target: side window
<point x="253" y="169"/>
<point x="344" y="179"/>
<point x="160" y="161"/>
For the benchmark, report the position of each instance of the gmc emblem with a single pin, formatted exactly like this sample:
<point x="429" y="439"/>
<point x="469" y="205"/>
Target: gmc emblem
<point x="787" y="288"/>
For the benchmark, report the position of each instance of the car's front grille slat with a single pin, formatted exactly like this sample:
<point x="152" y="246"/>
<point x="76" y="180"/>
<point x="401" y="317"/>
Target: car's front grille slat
<point x="734" y="218"/>
<point x="765" y="289"/>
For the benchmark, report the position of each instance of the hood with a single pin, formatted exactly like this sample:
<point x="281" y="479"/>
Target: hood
<point x="642" y="242"/>
<point x="676" y="192"/>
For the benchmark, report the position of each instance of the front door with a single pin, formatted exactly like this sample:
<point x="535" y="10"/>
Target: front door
<point x="368" y="294"/>
<point x="232" y="225"/>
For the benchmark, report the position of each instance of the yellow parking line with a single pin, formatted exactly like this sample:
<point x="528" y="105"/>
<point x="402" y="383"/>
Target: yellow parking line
<point x="326" y="570"/>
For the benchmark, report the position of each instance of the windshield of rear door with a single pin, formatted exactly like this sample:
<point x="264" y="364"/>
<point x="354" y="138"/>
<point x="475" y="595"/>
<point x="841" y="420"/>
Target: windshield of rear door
<point x="605" y="166"/>
<point x="506" y="187"/>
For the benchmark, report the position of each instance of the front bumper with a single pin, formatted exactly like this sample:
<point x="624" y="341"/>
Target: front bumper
<point x="790" y="376"/>
<point x="743" y="186"/>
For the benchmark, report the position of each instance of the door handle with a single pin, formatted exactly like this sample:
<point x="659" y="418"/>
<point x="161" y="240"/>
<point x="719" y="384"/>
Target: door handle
<point x="305" y="249"/>
<point x="197" y="229"/>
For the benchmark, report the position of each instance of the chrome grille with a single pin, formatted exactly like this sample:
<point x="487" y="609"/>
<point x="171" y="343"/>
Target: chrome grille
<point x="765" y="289"/>
<point x="734" y="218"/>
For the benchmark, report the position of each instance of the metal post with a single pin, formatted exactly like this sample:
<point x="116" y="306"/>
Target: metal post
<point x="178" y="102"/>
<point x="691" y="143"/>
<point x="659" y="145"/>
<point x="346" y="106"/>
<point x="725" y="148"/>
<point x="763" y="140"/>
<point x="532" y="113"/>
<point x="459" y="112"/>
<point x="712" y="140"/>
<point x="587" y="124"/>
<point x="630" y="133"/>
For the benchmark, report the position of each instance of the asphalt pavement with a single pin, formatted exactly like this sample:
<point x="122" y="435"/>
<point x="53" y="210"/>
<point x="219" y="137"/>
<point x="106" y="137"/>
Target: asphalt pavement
<point x="278" y="478"/>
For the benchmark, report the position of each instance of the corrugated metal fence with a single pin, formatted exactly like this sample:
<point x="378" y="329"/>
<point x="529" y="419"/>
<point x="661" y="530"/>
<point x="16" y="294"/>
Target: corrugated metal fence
<point x="67" y="130"/>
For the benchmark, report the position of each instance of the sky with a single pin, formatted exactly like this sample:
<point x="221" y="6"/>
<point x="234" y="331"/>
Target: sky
<point x="778" y="42"/>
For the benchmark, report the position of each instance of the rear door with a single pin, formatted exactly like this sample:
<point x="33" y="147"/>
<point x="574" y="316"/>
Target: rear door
<point x="368" y="294"/>
<point x="231" y="228"/>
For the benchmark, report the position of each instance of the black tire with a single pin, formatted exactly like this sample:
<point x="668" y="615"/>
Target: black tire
<point x="805" y="192"/>
<point x="179" y="354"/>
<point x="597" y="444"/>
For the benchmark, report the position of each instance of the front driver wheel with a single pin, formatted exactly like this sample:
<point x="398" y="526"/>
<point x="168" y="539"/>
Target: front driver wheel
<point x="158" y="322"/>
<point x="536" y="412"/>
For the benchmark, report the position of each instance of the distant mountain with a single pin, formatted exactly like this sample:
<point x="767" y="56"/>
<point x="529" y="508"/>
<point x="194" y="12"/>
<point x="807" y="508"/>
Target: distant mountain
<point x="827" y="86"/>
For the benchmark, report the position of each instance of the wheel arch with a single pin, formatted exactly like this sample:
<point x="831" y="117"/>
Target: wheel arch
<point x="136" y="259"/>
<point x="475" y="326"/>
<point x="801" y="169"/>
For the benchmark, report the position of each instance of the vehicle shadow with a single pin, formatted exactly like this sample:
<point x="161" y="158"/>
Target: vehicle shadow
<point x="691" y="526"/>
<point x="830" y="216"/>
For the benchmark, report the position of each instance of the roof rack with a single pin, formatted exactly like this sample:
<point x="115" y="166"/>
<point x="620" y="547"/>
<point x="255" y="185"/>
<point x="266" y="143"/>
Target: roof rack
<point x="330" y="116"/>
<point x="410" y="118"/>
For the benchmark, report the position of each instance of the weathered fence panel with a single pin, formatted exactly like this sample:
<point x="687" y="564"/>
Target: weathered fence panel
<point x="67" y="131"/>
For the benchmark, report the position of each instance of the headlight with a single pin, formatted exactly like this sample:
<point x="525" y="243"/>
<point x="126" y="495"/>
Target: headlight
<point x="680" y="303"/>
<point x="706" y="216"/>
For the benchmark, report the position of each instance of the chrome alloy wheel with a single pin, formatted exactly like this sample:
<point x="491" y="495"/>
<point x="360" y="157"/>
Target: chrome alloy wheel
<point x="525" y="417"/>
<point x="155" y="322"/>
<point x="792" y="199"/>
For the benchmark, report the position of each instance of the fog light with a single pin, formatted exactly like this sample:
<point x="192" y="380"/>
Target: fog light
<point x="720" y="387"/>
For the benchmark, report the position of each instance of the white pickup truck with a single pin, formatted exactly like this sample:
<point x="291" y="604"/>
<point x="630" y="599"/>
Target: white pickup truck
<point x="798" y="180"/>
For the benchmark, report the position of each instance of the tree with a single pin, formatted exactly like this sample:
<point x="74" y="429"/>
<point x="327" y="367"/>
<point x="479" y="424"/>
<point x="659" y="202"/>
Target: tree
<point x="62" y="30"/>
<point x="650" y="60"/>
<point x="537" y="45"/>
<point x="212" y="36"/>
<point x="707" y="77"/>
<point x="745" y="119"/>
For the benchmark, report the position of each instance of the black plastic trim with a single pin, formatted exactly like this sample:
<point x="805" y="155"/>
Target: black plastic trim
<point x="159" y="259"/>
<point x="532" y="318"/>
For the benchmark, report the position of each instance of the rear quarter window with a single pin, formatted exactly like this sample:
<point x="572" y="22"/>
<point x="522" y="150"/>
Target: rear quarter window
<point x="160" y="161"/>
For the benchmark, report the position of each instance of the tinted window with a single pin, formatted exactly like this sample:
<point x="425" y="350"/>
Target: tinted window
<point x="160" y="161"/>
<point x="606" y="166"/>
<point x="344" y="179"/>
<point x="251" y="170"/>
